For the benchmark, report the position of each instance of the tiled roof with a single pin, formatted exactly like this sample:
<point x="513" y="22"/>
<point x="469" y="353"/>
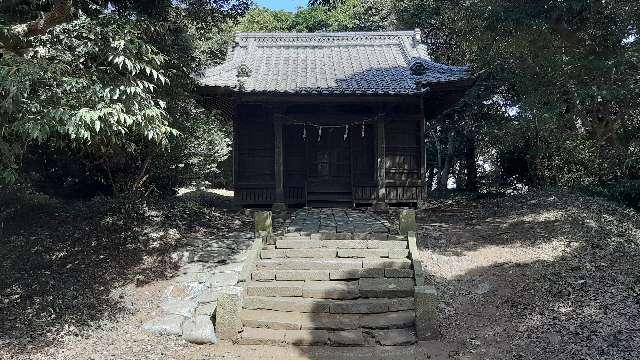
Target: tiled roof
<point x="330" y="63"/>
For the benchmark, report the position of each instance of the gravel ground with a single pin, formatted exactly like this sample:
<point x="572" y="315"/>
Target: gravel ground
<point x="536" y="276"/>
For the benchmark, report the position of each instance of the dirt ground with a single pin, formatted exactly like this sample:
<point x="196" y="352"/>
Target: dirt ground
<point x="535" y="276"/>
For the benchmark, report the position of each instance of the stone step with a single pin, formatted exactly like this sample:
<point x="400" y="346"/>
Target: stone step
<point x="283" y="320"/>
<point x="309" y="305"/>
<point x="278" y="320"/>
<point x="316" y="275"/>
<point x="362" y="288"/>
<point x="394" y="337"/>
<point x="386" y="288"/>
<point x="331" y="290"/>
<point x="333" y="264"/>
<point x="329" y="253"/>
<point x="304" y="243"/>
<point x="351" y="343"/>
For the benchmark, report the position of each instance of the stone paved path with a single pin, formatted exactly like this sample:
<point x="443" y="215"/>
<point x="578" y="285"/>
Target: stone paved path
<point x="310" y="220"/>
<point x="209" y="268"/>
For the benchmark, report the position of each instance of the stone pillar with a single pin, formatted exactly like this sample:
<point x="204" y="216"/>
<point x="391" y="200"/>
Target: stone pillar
<point x="426" y="298"/>
<point x="228" y="322"/>
<point x="279" y="162"/>
<point x="407" y="222"/>
<point x="263" y="223"/>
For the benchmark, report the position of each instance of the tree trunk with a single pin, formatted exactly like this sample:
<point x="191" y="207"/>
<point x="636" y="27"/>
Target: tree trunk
<point x="470" y="163"/>
<point x="13" y="40"/>
<point x="446" y="166"/>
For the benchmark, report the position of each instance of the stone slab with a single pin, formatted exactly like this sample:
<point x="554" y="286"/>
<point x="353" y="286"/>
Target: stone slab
<point x="331" y="290"/>
<point x="228" y="323"/>
<point x="356" y="274"/>
<point x="363" y="253"/>
<point x="165" y="325"/>
<point x="274" y="288"/>
<point x="184" y="308"/>
<point x="310" y="264"/>
<point x="206" y="309"/>
<point x="305" y="275"/>
<point x="359" y="306"/>
<point x="271" y="254"/>
<point x="398" y="253"/>
<point x="298" y="244"/>
<point x="306" y="337"/>
<point x="199" y="330"/>
<point x="386" y="244"/>
<point x="263" y="275"/>
<point x="400" y="304"/>
<point x="309" y="253"/>
<point x="386" y="263"/>
<point x="386" y="288"/>
<point x="346" y="337"/>
<point x="398" y="273"/>
<point x="253" y="336"/>
<point x="325" y="321"/>
<point x="345" y="244"/>
<point x="426" y="298"/>
<point x="395" y="337"/>
<point x="268" y="319"/>
<point x="287" y="304"/>
<point x="389" y="320"/>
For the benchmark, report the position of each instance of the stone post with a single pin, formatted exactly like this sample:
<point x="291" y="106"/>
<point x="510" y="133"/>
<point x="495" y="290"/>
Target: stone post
<point x="228" y="322"/>
<point x="407" y="222"/>
<point x="426" y="298"/>
<point x="263" y="223"/>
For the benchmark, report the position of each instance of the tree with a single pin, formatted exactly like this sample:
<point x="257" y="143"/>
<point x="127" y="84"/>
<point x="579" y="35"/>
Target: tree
<point x="108" y="81"/>
<point x="346" y="15"/>
<point x="564" y="74"/>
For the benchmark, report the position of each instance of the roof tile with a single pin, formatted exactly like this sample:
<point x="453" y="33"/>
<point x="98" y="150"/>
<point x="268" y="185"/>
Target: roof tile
<point x="329" y="63"/>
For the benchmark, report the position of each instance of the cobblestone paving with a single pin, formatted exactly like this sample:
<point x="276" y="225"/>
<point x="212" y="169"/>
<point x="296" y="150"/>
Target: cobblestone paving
<point x="209" y="267"/>
<point x="336" y="220"/>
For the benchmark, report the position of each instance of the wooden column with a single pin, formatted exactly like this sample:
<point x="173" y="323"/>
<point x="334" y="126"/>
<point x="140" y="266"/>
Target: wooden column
<point x="278" y="122"/>
<point x="235" y="152"/>
<point x="423" y="152"/>
<point x="380" y="161"/>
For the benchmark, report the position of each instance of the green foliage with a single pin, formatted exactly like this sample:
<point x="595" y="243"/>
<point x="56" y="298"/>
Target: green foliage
<point x="563" y="79"/>
<point x="114" y="91"/>
<point x="347" y="15"/>
<point x="266" y="20"/>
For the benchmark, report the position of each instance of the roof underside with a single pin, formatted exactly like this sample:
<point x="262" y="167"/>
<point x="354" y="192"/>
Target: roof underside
<point x="330" y="63"/>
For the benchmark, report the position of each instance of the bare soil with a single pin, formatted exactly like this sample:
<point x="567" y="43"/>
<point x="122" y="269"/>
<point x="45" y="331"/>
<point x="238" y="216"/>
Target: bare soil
<point x="536" y="276"/>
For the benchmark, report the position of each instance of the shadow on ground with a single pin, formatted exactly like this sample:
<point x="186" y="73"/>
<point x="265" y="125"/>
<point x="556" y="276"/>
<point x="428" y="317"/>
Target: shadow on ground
<point x="63" y="265"/>
<point x="524" y="299"/>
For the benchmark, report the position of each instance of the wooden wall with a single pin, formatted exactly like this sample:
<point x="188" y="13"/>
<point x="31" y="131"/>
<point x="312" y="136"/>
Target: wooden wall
<point x="254" y="151"/>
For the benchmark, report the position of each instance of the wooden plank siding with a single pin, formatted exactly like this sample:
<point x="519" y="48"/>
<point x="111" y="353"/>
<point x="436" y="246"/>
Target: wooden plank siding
<point x="384" y="164"/>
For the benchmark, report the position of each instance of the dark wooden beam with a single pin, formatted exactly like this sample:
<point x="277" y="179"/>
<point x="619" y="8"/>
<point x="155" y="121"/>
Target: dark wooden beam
<point x="278" y="122"/>
<point x="380" y="162"/>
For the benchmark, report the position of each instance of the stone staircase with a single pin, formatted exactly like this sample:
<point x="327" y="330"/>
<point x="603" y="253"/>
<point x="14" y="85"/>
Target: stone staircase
<point x="340" y="289"/>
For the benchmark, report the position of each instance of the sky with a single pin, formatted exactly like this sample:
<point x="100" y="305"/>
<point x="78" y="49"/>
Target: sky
<point x="282" y="4"/>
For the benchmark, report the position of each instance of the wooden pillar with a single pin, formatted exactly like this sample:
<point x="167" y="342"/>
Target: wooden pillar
<point x="423" y="152"/>
<point x="278" y="122"/>
<point x="380" y="161"/>
<point x="235" y="153"/>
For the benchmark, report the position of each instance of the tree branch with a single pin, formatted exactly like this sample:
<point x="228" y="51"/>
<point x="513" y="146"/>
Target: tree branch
<point x="13" y="39"/>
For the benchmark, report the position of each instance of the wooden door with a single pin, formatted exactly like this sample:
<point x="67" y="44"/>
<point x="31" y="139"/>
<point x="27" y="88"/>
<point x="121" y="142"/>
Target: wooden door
<point x="329" y="160"/>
